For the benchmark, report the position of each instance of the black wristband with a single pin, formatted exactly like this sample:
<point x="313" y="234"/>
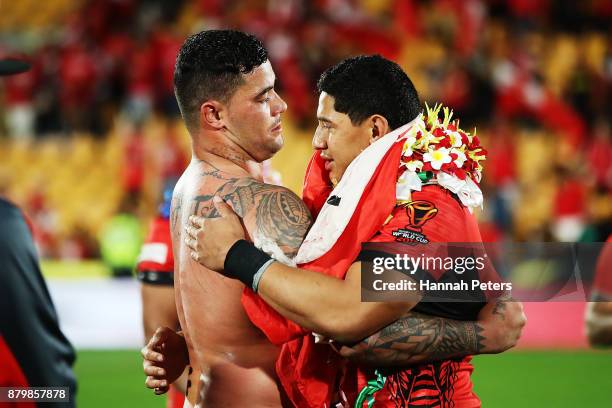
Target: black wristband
<point x="156" y="277"/>
<point x="243" y="260"/>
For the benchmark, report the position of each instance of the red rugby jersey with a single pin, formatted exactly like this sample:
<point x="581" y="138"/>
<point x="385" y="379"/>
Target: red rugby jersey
<point x="309" y="372"/>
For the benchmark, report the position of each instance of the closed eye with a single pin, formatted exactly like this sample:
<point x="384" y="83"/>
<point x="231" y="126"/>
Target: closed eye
<point x="264" y="94"/>
<point x="325" y="124"/>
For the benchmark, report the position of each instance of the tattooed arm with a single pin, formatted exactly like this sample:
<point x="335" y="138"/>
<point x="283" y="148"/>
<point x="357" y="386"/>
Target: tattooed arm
<point x="321" y="303"/>
<point x="418" y="338"/>
<point x="326" y="305"/>
<point x="269" y="211"/>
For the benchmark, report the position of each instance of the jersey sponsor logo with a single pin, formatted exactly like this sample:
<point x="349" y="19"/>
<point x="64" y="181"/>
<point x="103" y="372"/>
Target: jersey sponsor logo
<point x="418" y="212"/>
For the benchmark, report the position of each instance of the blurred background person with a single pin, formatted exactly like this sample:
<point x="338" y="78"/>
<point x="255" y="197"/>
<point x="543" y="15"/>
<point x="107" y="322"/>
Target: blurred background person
<point x="121" y="238"/>
<point x="33" y="350"/>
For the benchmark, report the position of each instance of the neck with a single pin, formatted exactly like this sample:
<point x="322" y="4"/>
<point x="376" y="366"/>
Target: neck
<point x="222" y="153"/>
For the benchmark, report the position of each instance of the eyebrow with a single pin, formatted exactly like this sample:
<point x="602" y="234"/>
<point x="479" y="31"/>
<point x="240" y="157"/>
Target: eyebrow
<point x="324" y="119"/>
<point x="264" y="91"/>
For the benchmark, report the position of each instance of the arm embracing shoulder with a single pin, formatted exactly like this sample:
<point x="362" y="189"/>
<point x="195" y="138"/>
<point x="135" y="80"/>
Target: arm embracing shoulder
<point x="327" y="305"/>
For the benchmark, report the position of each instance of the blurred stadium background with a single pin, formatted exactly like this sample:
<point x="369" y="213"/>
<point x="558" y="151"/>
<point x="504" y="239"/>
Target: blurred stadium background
<point x="91" y="135"/>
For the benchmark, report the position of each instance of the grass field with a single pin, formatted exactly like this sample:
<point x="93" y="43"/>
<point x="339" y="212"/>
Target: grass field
<point x="112" y="379"/>
<point x="544" y="379"/>
<point x="516" y="379"/>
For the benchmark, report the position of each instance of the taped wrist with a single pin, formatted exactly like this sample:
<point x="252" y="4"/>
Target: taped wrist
<point x="243" y="261"/>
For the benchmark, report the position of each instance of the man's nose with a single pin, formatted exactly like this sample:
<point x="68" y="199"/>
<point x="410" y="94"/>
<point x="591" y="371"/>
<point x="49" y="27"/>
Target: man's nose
<point x="319" y="141"/>
<point x="280" y="106"/>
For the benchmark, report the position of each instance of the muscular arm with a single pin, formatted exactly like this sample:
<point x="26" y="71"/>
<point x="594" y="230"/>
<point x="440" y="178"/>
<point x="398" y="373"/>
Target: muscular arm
<point x="158" y="308"/>
<point x="326" y="305"/>
<point x="320" y="303"/>
<point x="419" y="338"/>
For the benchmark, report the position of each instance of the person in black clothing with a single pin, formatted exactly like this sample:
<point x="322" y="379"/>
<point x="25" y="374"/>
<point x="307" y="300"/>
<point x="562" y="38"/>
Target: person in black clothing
<point x="33" y="350"/>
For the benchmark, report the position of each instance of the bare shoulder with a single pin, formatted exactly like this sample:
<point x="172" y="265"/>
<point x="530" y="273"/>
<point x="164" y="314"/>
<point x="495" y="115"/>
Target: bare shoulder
<point x="280" y="215"/>
<point x="267" y="210"/>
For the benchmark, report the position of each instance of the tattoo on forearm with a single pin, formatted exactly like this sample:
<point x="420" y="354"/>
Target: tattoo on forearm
<point x="417" y="338"/>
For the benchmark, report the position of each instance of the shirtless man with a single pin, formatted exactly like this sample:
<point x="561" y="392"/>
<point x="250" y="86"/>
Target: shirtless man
<point x="225" y="88"/>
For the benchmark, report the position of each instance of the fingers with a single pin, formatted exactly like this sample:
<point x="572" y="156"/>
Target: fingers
<point x="158" y="338"/>
<point x="155" y="378"/>
<point x="152" y="371"/>
<point x="192" y="232"/>
<point x="191" y="243"/>
<point x="149" y="354"/>
<point x="156" y="384"/>
<point x="161" y="390"/>
<point x="155" y="375"/>
<point x="196" y="222"/>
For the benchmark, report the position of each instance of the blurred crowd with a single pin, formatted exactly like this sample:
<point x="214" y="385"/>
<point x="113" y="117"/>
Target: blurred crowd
<point x="533" y="76"/>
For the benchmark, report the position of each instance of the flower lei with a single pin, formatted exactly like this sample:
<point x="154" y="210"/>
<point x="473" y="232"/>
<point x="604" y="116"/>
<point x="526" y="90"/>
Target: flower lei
<point x="440" y="148"/>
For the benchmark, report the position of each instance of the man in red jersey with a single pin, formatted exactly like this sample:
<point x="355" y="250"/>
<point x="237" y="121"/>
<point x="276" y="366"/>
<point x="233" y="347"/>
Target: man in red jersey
<point x="350" y="135"/>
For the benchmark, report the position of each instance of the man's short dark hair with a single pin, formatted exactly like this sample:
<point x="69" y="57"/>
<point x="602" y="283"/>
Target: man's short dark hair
<point x="367" y="85"/>
<point x="211" y="65"/>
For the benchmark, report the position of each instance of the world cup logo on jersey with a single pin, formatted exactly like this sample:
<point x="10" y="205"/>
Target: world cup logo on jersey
<point x="418" y="212"/>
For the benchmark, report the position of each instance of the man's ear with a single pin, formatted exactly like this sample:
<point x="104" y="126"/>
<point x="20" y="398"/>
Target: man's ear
<point x="211" y="114"/>
<point x="379" y="127"/>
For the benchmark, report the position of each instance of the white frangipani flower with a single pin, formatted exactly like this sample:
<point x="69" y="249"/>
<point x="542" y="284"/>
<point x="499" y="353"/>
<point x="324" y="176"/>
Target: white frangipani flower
<point x="437" y="157"/>
<point x="455" y="138"/>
